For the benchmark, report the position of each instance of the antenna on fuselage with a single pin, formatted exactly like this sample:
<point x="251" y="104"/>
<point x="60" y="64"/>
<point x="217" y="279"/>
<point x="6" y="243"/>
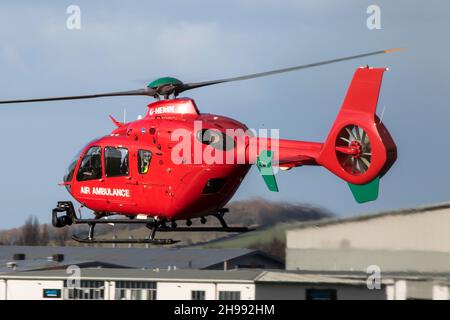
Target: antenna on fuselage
<point x="124" y="115"/>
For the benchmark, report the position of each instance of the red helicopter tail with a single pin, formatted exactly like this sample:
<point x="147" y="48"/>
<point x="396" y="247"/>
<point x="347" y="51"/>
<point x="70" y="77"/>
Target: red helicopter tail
<point x="359" y="149"/>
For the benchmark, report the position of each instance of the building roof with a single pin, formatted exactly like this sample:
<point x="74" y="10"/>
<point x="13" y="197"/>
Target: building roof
<point x="405" y="211"/>
<point x="387" y="276"/>
<point x="39" y="264"/>
<point x="241" y="276"/>
<point x="292" y="277"/>
<point x="142" y="274"/>
<point x="151" y="258"/>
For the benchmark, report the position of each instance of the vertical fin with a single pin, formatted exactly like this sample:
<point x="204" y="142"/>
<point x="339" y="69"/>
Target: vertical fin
<point x="365" y="192"/>
<point x="264" y="165"/>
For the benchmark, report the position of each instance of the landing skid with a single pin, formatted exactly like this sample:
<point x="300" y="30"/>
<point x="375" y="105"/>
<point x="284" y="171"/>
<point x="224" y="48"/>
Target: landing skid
<point x="205" y="229"/>
<point x="154" y="225"/>
<point x="126" y="241"/>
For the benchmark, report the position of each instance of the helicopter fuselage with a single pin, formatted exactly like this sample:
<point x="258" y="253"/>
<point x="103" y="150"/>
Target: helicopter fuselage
<point x="162" y="187"/>
<point x="177" y="163"/>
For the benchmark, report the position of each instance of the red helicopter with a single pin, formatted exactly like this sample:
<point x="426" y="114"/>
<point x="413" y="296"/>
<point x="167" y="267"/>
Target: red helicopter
<point x="179" y="164"/>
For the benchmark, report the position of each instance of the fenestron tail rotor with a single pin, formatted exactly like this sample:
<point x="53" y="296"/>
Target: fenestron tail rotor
<point x="167" y="86"/>
<point x="354" y="138"/>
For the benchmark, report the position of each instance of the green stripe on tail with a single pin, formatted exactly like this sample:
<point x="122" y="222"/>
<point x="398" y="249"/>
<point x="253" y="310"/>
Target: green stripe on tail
<point x="264" y="165"/>
<point x="365" y="192"/>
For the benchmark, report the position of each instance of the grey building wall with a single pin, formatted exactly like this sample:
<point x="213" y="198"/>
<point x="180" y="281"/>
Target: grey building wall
<point x="360" y="260"/>
<point x="416" y="240"/>
<point x="419" y="290"/>
<point x="290" y="291"/>
<point x="253" y="260"/>
<point x="423" y="229"/>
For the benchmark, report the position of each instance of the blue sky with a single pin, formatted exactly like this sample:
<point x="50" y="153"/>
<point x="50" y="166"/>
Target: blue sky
<point x="122" y="43"/>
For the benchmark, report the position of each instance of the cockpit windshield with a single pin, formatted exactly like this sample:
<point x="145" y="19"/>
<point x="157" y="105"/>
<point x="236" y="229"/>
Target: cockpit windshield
<point x="91" y="165"/>
<point x="68" y="176"/>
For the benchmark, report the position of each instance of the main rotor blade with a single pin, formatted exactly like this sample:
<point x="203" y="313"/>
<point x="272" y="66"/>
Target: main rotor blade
<point x="139" y="92"/>
<point x="180" y="87"/>
<point x="193" y="85"/>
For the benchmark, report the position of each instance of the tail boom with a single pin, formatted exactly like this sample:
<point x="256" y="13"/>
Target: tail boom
<point x="358" y="149"/>
<point x="287" y="153"/>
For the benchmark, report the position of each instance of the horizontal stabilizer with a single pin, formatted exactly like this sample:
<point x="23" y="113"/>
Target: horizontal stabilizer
<point x="365" y="192"/>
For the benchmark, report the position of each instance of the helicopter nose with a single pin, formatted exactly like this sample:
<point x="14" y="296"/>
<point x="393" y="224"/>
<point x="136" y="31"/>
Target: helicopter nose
<point x="67" y="185"/>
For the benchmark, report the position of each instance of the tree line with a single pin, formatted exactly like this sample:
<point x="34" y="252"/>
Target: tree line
<point x="32" y="233"/>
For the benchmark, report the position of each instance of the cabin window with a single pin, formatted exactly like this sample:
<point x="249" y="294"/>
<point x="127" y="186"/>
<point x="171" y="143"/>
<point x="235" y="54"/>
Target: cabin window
<point x="218" y="140"/>
<point x="91" y="165"/>
<point x="144" y="158"/>
<point x="116" y="162"/>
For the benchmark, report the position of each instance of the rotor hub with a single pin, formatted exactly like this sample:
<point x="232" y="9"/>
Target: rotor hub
<point x="354" y="150"/>
<point x="165" y="86"/>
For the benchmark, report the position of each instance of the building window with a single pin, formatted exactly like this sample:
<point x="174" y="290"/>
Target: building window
<point x="229" y="295"/>
<point x="88" y="290"/>
<point x="91" y="165"/>
<point x="116" y="162"/>
<point x="135" y="290"/>
<point x="197" y="295"/>
<point x="51" y="293"/>
<point x="144" y="158"/>
<point x="321" y="294"/>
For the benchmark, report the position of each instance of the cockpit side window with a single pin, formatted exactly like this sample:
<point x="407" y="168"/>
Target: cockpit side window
<point x="91" y="165"/>
<point x="144" y="158"/>
<point x="116" y="162"/>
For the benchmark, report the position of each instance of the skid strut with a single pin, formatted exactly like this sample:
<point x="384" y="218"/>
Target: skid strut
<point x="64" y="215"/>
